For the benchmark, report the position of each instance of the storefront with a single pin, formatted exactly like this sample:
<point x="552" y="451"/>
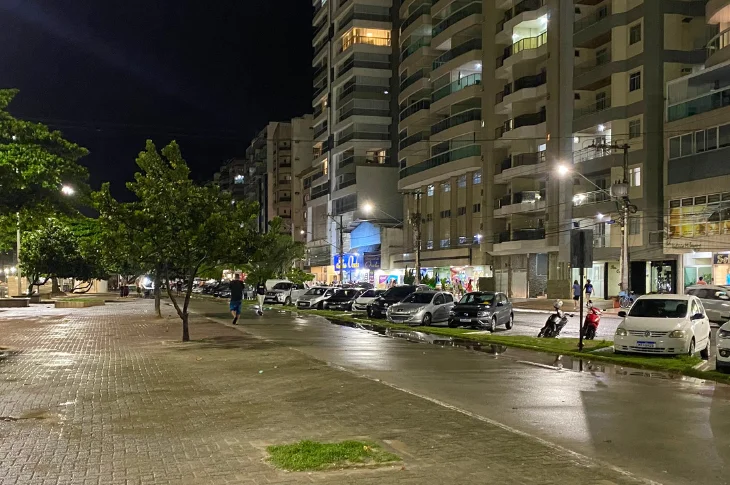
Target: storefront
<point x="353" y="267"/>
<point x="714" y="268"/>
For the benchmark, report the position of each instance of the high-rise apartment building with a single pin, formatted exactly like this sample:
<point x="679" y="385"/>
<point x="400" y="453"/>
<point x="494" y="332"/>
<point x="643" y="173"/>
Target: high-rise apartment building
<point x="353" y="104"/>
<point x="496" y="96"/>
<point x="696" y="173"/>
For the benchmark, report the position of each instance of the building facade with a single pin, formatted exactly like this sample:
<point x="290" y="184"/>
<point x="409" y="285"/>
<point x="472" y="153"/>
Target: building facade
<point x="696" y="174"/>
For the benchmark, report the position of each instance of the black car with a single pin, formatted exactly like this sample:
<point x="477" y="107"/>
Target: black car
<point x="343" y="299"/>
<point x="482" y="309"/>
<point x="379" y="307"/>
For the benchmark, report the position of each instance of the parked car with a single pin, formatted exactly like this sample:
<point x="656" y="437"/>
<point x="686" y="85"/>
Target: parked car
<point x="715" y="299"/>
<point x="722" y="359"/>
<point x="217" y="292"/>
<point x="284" y="292"/>
<point x="394" y="295"/>
<point x="343" y="299"/>
<point x="315" y="297"/>
<point x="483" y="309"/>
<point x="664" y="324"/>
<point x="362" y="303"/>
<point x="422" y="308"/>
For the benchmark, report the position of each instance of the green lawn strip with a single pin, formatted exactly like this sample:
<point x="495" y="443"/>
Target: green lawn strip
<point x="312" y="455"/>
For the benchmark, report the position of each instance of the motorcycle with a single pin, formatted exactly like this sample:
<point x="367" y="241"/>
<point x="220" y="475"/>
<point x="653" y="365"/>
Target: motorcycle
<point x="554" y="325"/>
<point x="590" y="324"/>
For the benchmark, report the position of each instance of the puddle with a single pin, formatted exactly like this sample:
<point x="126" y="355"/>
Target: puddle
<point x="35" y="415"/>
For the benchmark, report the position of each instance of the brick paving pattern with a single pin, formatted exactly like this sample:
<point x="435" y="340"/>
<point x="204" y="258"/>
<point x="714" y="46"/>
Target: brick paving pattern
<point x="107" y="395"/>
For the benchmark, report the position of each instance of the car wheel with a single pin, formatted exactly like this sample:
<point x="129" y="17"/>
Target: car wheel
<point x="510" y="322"/>
<point x="705" y="353"/>
<point x="453" y="324"/>
<point x="287" y="302"/>
<point x="721" y="367"/>
<point x="369" y="311"/>
<point x="691" y="347"/>
<point x="320" y="305"/>
<point x="426" y="321"/>
<point x="493" y="327"/>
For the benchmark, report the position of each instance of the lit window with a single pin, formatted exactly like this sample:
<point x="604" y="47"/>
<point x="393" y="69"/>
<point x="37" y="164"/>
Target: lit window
<point x="635" y="177"/>
<point x="446" y="187"/>
<point x="365" y="36"/>
<point x="462" y="181"/>
<point x="429" y="191"/>
<point x="477" y="178"/>
<point x="239" y="179"/>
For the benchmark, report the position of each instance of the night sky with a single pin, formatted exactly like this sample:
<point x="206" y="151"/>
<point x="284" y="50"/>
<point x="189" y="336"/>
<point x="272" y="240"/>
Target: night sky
<point x="111" y="74"/>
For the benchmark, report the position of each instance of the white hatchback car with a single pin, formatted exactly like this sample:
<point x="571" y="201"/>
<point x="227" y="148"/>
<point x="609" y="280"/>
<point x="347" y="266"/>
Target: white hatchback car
<point x="664" y="324"/>
<point x="722" y="359"/>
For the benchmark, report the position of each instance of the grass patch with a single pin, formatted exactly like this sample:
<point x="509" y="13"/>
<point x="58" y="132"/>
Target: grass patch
<point x="312" y="455"/>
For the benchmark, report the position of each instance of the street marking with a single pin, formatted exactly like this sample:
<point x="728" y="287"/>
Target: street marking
<point x="578" y="456"/>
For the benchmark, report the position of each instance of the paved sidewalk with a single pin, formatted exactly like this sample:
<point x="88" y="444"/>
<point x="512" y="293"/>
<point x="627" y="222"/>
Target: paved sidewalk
<point x="546" y="305"/>
<point x="107" y="395"/>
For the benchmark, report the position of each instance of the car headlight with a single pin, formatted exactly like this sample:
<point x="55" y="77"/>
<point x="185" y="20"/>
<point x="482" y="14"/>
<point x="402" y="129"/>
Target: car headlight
<point x="385" y="305"/>
<point x="723" y="334"/>
<point x="452" y="313"/>
<point x="621" y="332"/>
<point x="482" y="314"/>
<point x="418" y="310"/>
<point x="677" y="334"/>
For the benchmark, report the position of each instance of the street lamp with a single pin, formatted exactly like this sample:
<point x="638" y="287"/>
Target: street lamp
<point x="67" y="190"/>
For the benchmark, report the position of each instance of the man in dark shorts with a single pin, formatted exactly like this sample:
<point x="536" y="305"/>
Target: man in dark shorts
<point x="260" y="295"/>
<point x="236" y="288"/>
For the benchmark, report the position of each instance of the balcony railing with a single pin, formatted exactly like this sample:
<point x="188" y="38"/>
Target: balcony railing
<point x="424" y="9"/>
<point x="527" y="43"/>
<point x="600" y="105"/>
<point x="586" y="67"/>
<point x="470" y="45"/>
<point x="317" y="111"/>
<point x="523" y="6"/>
<point x="720" y="41"/>
<point x="363" y="112"/>
<point x="526" y="196"/>
<point x="590" y="153"/>
<point x="319" y="70"/>
<point x="320" y="190"/>
<point x="348" y="65"/>
<point x="319" y="90"/>
<point x="522" y="235"/>
<point x="522" y="160"/>
<point x="318" y="48"/>
<point x="364" y="39"/>
<point x="353" y="87"/>
<point x="362" y="136"/>
<point x="520" y="121"/>
<point x="473" y="114"/>
<point x="320" y="131"/>
<point x="702" y="104"/>
<point x="442" y="158"/>
<point x="414" y="46"/>
<point x="346" y="182"/>
<point x="414" y="108"/>
<point x="406" y="142"/>
<point x="456" y="86"/>
<point x="372" y="16"/>
<point x="587" y="198"/>
<point x="521" y="83"/>
<point x="595" y="17"/>
<point x="420" y="74"/>
<point x="461" y="14"/>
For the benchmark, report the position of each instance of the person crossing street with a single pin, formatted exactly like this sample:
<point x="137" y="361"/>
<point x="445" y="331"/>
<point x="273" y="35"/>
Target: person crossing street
<point x="236" y="288"/>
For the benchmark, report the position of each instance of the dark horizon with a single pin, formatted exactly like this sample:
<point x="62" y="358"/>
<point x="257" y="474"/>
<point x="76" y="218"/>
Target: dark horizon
<point x="110" y="76"/>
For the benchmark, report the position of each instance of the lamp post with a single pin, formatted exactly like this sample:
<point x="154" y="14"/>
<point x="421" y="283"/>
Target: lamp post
<point x="340" y="230"/>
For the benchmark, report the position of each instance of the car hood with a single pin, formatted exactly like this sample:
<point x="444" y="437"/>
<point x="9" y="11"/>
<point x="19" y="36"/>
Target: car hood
<point x="726" y="326"/>
<point x="653" y="324"/>
<point x="408" y="306"/>
<point x="365" y="299"/>
<point x="340" y="299"/>
<point x="469" y="307"/>
<point x="389" y="301"/>
<point x="310" y="297"/>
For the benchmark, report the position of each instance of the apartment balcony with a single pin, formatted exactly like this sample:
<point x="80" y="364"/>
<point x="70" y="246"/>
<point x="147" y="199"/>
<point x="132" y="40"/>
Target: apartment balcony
<point x="523" y="202"/>
<point x="594" y="29"/>
<point x="320" y="11"/>
<point x="595" y="74"/>
<point x="520" y="241"/>
<point x="718" y="49"/>
<point x="419" y="106"/>
<point x="319" y="114"/>
<point x="353" y="63"/>
<point x="523" y="89"/>
<point x="362" y="136"/>
<point x="319" y="50"/>
<point x="709" y="101"/>
<point x="467" y="87"/>
<point x="345" y="116"/>
<point x="419" y="80"/>
<point x="413" y="139"/>
<point x="588" y="204"/>
<point x="419" y="17"/>
<point x="422" y="46"/>
<point x="469" y="51"/>
<point x="352" y="90"/>
<point x="596" y="107"/>
<point x="523" y="126"/>
<point x="318" y="132"/>
<point x="598" y="160"/>
<point x="318" y="90"/>
<point x="524" y="11"/>
<point x="456" y="161"/>
<point x="468" y="16"/>
<point x="526" y="49"/>
<point x="320" y="191"/>
<point x="467" y="121"/>
<point x="717" y="11"/>
<point x="524" y="165"/>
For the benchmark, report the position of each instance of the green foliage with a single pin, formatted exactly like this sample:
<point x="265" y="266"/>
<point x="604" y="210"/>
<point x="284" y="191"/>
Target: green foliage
<point x="298" y="276"/>
<point x="409" y="278"/>
<point x="274" y="253"/>
<point x="35" y="163"/>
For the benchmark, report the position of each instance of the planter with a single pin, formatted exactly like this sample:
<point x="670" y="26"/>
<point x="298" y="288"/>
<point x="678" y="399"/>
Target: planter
<point x="14" y="302"/>
<point x="78" y="304"/>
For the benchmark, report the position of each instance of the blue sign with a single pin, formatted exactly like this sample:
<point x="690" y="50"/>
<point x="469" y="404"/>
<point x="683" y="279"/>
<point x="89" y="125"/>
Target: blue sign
<point x="372" y="260"/>
<point x="352" y="261"/>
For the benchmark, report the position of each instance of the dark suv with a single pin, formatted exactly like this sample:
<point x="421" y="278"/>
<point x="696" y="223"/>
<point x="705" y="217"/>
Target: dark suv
<point x="379" y="307"/>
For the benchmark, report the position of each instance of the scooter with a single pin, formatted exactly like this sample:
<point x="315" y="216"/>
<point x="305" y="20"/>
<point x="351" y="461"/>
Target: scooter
<point x="554" y="324"/>
<point x="590" y="324"/>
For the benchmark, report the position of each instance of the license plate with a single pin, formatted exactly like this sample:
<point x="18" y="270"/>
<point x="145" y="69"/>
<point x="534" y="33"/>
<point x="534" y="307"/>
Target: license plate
<point x="466" y="320"/>
<point x="648" y="345"/>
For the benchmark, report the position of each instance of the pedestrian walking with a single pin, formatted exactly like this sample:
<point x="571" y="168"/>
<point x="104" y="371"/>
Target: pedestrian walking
<point x="236" y="288"/>
<point x="260" y="295"/>
<point x="469" y="286"/>
<point x="588" y="289"/>
<point x="179" y="287"/>
<point x="576" y="294"/>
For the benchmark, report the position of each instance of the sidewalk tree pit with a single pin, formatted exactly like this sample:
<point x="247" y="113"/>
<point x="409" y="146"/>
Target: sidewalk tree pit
<point x="312" y="455"/>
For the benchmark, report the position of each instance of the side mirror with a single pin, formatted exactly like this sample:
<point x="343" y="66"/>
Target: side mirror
<point x="500" y="304"/>
<point x="622" y="314"/>
<point x="698" y="316"/>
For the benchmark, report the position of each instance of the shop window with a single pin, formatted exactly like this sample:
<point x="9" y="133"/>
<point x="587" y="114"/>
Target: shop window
<point x="635" y="81"/>
<point x="635" y="128"/>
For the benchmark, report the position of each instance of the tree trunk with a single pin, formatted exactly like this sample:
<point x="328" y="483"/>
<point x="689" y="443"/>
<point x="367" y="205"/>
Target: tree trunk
<point x="158" y="294"/>
<point x="55" y="289"/>
<point x="186" y="333"/>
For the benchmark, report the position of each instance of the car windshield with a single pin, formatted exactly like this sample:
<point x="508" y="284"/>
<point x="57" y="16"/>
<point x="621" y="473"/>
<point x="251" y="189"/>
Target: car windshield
<point x="368" y="294"/>
<point x="281" y="286"/>
<point x="478" y="298"/>
<point x="346" y="293"/>
<point x="316" y="291"/>
<point x="398" y="292"/>
<point x="331" y="291"/>
<point x="653" y="308"/>
<point x="419" y="298"/>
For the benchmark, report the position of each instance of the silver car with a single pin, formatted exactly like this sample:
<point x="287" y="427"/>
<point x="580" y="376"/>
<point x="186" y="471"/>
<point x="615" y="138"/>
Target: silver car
<point x="422" y="308"/>
<point x="715" y="299"/>
<point x="315" y="297"/>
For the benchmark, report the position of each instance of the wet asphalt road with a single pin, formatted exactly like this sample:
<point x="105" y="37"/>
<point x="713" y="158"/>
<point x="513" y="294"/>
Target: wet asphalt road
<point x="665" y="430"/>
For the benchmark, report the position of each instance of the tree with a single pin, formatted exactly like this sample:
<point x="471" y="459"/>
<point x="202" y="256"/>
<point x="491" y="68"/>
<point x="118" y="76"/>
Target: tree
<point x="49" y="252"/>
<point x="176" y="226"/>
<point x="35" y="163"/>
<point x="299" y="276"/>
<point x="274" y="255"/>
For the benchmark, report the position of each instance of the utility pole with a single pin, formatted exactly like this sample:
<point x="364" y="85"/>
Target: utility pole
<point x="620" y="192"/>
<point x="342" y="254"/>
<point x="17" y="259"/>
<point x="416" y="221"/>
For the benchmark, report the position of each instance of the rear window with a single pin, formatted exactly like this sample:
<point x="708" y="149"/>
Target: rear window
<point x="282" y="286"/>
<point x="347" y="293"/>
<point x="478" y="298"/>
<point x="651" y="308"/>
<point x="398" y="292"/>
<point x="316" y="291"/>
<point x="418" y="298"/>
<point x="368" y="294"/>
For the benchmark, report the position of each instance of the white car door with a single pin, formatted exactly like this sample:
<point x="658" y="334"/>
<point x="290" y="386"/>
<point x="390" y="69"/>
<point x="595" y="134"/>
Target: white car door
<point x="702" y="329"/>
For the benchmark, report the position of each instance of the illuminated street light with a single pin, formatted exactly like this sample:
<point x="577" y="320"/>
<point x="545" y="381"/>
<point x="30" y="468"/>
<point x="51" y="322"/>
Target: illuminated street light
<point x="368" y="208"/>
<point x="67" y="190"/>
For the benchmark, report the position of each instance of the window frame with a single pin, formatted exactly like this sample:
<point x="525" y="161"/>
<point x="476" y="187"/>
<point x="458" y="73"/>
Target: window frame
<point x="634" y="81"/>
<point x="635" y="33"/>
<point x="634" y="128"/>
